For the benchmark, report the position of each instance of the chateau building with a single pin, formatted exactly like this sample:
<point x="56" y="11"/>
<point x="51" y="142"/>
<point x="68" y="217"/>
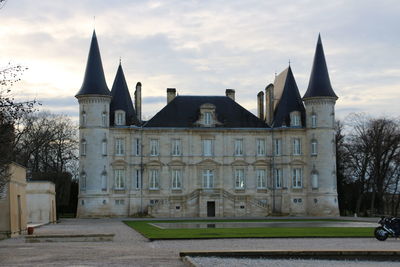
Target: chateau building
<point x="207" y="155"/>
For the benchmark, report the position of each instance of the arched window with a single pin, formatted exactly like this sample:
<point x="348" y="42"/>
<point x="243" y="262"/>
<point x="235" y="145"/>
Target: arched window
<point x="83" y="147"/>
<point x="104" y="181"/>
<point x="83" y="181"/>
<point x="83" y="122"/>
<point x="314" y="179"/>
<point x="104" y="147"/>
<point x="104" y="119"/>
<point x="313" y="120"/>
<point x="295" y="119"/>
<point x="314" y="147"/>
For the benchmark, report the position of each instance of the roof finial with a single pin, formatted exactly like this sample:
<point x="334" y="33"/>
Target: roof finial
<point x="119" y="60"/>
<point x="289" y="62"/>
<point x="94" y="22"/>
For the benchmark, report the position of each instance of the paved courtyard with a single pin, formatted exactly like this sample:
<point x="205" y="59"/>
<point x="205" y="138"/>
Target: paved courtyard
<point x="130" y="248"/>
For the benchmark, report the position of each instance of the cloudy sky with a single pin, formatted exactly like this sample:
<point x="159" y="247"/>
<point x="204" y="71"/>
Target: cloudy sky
<point x="204" y="47"/>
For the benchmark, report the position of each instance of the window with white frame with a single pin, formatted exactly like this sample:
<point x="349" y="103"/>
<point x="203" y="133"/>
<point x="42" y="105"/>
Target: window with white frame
<point x="83" y="147"/>
<point x="104" y="119"/>
<point x="137" y="179"/>
<point x="260" y="147"/>
<point x="104" y="147"/>
<point x="297" y="178"/>
<point x="119" y="179"/>
<point x="278" y="177"/>
<point x="136" y="148"/>
<point x="104" y="181"/>
<point x="239" y="179"/>
<point x="208" y="178"/>
<point x="314" y="147"/>
<point x="176" y="147"/>
<point x="238" y="147"/>
<point x="314" y="179"/>
<point x="83" y="118"/>
<point x="119" y="117"/>
<point x="83" y="181"/>
<point x="207" y="147"/>
<point x="296" y="146"/>
<point x="313" y="120"/>
<point x="261" y="179"/>
<point x="154" y="147"/>
<point x="207" y="118"/>
<point x="295" y="118"/>
<point x="176" y="179"/>
<point x="154" y="183"/>
<point x="277" y="147"/>
<point x="119" y="146"/>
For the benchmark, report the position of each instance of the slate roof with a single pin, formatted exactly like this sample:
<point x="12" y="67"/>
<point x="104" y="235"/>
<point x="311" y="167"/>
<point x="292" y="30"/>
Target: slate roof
<point x="184" y="111"/>
<point x="94" y="82"/>
<point x="121" y="99"/>
<point x="289" y="100"/>
<point x="320" y="84"/>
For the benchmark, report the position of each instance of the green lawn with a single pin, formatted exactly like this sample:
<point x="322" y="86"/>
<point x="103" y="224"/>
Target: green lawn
<point x="154" y="233"/>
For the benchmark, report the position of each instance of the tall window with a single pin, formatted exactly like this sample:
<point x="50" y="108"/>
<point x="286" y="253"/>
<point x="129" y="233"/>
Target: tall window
<point x="314" y="179"/>
<point x="239" y="147"/>
<point x="297" y="177"/>
<point x="314" y="147"/>
<point x="239" y="179"/>
<point x="207" y="147"/>
<point x="104" y="147"/>
<point x="260" y="147"/>
<point x="119" y="146"/>
<point x="104" y="119"/>
<point x="277" y="147"/>
<point x="295" y="118"/>
<point x="207" y="118"/>
<point x="296" y="146"/>
<point x="104" y="181"/>
<point x="261" y="178"/>
<point x="137" y="179"/>
<point x="208" y="178"/>
<point x="83" y="118"/>
<point x="119" y="118"/>
<point x="154" y="182"/>
<point x="136" y="149"/>
<point x="83" y="147"/>
<point x="176" y="147"/>
<point x="83" y="181"/>
<point x="278" y="177"/>
<point x="313" y="120"/>
<point x="119" y="176"/>
<point x="154" y="147"/>
<point x="176" y="179"/>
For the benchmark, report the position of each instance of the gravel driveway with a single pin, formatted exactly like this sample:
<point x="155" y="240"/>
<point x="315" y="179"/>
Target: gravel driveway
<point x="131" y="249"/>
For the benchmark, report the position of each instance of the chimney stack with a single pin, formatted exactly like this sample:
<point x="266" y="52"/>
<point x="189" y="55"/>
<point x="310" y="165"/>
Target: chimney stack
<point x="260" y="105"/>
<point x="138" y="101"/>
<point x="230" y="93"/>
<point x="171" y="93"/>
<point x="269" y="103"/>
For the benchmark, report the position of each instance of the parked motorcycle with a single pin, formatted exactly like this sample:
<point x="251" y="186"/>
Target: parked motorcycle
<point x="390" y="226"/>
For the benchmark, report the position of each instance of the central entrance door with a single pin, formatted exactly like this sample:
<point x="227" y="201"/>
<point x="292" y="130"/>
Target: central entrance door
<point x="210" y="208"/>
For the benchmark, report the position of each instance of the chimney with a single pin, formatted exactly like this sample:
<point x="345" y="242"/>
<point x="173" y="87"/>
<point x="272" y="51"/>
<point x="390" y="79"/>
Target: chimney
<point x="260" y="105"/>
<point x="171" y="93"/>
<point x="269" y="103"/>
<point x="138" y="101"/>
<point x="230" y="93"/>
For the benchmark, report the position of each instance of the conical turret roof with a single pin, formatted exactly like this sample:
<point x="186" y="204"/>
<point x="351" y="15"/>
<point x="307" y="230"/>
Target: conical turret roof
<point x="121" y="99"/>
<point x="320" y="84"/>
<point x="94" y="82"/>
<point x="290" y="100"/>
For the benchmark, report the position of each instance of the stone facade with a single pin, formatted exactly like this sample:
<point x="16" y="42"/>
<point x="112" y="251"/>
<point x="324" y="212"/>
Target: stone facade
<point x="41" y="202"/>
<point x="208" y="168"/>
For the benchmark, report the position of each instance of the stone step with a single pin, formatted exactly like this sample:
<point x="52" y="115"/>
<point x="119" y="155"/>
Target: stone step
<point x="69" y="238"/>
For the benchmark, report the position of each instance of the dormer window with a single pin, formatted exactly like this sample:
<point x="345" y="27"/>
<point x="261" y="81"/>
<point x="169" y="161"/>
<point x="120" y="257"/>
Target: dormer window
<point x="295" y="119"/>
<point x="119" y="117"/>
<point x="207" y="118"/>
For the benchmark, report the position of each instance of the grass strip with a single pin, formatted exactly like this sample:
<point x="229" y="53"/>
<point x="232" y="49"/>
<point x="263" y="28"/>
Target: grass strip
<point x="155" y="233"/>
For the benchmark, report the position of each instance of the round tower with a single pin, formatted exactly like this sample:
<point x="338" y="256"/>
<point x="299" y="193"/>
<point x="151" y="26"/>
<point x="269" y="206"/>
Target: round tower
<point x="319" y="101"/>
<point x="94" y="110"/>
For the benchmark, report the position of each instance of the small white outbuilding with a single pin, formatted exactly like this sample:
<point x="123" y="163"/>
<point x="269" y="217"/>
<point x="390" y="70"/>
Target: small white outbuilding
<point x="41" y="202"/>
